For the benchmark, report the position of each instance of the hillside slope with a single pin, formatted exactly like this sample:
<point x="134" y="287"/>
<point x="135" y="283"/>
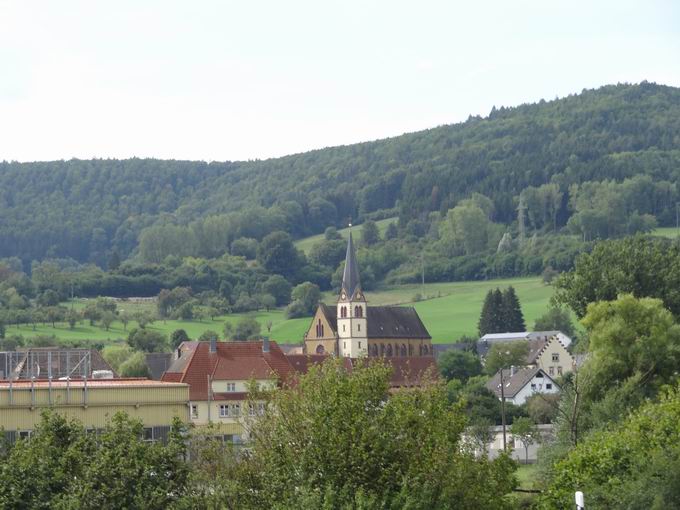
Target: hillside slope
<point x="86" y="209"/>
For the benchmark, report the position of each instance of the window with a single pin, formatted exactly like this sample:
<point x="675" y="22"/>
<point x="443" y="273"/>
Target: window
<point x="343" y="327"/>
<point x="403" y="350"/>
<point x="231" y="386"/>
<point x="320" y="349"/>
<point x="260" y="408"/>
<point x="319" y="329"/>
<point x="388" y="350"/>
<point x="559" y="370"/>
<point x="224" y="410"/>
<point x="533" y="386"/>
<point x="548" y="386"/>
<point x="194" y="411"/>
<point x="344" y="345"/>
<point x="25" y="434"/>
<point x="148" y="434"/>
<point x="551" y="370"/>
<point x="555" y="356"/>
<point x="359" y="345"/>
<point x="358" y="327"/>
<point x="343" y="312"/>
<point x="251" y="410"/>
<point x="235" y="409"/>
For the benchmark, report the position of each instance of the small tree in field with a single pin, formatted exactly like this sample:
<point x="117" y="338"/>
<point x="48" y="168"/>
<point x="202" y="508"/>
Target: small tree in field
<point x="525" y="430"/>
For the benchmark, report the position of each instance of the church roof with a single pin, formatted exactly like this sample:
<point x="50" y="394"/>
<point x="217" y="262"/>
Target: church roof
<point x="350" y="276"/>
<point x="385" y="321"/>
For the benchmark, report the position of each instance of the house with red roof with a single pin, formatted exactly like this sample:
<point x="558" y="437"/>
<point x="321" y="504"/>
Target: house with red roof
<point x="219" y="374"/>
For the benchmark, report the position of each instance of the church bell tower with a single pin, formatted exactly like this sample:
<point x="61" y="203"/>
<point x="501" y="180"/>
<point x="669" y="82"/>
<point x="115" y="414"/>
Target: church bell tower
<point x="352" y="309"/>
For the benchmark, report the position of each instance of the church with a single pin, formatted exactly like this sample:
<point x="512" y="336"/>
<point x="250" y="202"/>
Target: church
<point x="353" y="329"/>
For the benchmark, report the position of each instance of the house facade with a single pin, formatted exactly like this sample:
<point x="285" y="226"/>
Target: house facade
<point x="353" y="329"/>
<point x="551" y="356"/>
<point x="521" y="383"/>
<point x="219" y="375"/>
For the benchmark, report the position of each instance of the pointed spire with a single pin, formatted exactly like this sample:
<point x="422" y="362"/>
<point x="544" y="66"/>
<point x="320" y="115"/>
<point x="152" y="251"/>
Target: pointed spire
<point x="350" y="276"/>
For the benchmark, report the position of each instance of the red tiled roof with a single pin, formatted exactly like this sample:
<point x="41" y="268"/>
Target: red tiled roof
<point x="232" y="361"/>
<point x="407" y="371"/>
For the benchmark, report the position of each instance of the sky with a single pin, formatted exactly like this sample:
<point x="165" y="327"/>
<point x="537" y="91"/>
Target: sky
<point x="237" y="80"/>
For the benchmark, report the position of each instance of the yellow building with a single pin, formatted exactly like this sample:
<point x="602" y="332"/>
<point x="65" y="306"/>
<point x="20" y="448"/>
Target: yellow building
<point x="218" y="374"/>
<point x="551" y="356"/>
<point x="93" y="403"/>
<point x="353" y="329"/>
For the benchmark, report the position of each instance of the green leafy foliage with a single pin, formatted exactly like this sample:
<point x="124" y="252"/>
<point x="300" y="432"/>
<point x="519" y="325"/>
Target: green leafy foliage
<point x="62" y="467"/>
<point x="638" y="265"/>
<point x="337" y="441"/>
<point x="632" y="465"/>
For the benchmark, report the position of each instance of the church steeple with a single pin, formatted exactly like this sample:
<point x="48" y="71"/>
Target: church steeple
<point x="350" y="276"/>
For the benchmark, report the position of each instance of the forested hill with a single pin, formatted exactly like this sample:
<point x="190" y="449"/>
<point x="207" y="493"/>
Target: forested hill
<point x="88" y="209"/>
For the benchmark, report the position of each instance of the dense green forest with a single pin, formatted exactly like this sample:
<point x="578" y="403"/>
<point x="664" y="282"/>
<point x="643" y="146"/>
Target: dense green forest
<point x="601" y="163"/>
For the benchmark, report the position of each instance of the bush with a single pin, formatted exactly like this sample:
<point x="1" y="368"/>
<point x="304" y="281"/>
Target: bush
<point x="135" y="366"/>
<point x="145" y="340"/>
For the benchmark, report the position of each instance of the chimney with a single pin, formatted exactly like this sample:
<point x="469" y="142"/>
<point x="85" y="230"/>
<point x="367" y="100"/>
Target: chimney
<point x="213" y="344"/>
<point x="265" y="344"/>
<point x="512" y="370"/>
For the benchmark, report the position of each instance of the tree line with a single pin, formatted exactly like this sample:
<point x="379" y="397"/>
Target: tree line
<point x="601" y="163"/>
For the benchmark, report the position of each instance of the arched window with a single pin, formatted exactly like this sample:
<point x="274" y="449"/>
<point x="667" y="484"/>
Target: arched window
<point x="403" y="350"/>
<point x="358" y="311"/>
<point x="425" y="350"/>
<point x="319" y="329"/>
<point x="343" y="312"/>
<point x="374" y="350"/>
<point x="320" y="349"/>
<point x="388" y="350"/>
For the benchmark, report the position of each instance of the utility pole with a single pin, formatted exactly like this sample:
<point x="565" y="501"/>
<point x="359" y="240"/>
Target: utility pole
<point x="503" y="410"/>
<point x="521" y="220"/>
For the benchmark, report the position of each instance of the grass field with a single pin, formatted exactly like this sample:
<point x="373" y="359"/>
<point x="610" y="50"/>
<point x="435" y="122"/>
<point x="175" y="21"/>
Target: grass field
<point x="670" y="232"/>
<point x="526" y="474"/>
<point x="448" y="310"/>
<point x="307" y="243"/>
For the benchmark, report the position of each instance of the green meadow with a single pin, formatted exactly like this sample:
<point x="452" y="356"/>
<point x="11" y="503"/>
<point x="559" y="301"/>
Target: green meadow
<point x="307" y="243"/>
<point x="670" y="232"/>
<point x="448" y="310"/>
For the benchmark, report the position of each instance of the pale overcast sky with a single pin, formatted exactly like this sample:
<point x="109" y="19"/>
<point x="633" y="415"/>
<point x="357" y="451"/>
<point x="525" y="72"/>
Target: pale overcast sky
<point x="252" y="79"/>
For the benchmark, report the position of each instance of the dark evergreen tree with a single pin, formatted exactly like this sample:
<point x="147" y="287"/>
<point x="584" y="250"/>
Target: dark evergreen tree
<point x="498" y="312"/>
<point x="484" y="324"/>
<point x="512" y="318"/>
<point x="490" y="320"/>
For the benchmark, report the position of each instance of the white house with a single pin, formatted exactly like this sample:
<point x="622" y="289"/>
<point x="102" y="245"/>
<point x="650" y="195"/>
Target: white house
<point x="521" y="383"/>
<point x="485" y="342"/>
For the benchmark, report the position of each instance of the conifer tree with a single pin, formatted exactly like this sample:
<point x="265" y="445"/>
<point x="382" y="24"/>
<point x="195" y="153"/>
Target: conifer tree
<point x="498" y="312"/>
<point x="511" y="311"/>
<point x="485" y="322"/>
<point x="491" y="319"/>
